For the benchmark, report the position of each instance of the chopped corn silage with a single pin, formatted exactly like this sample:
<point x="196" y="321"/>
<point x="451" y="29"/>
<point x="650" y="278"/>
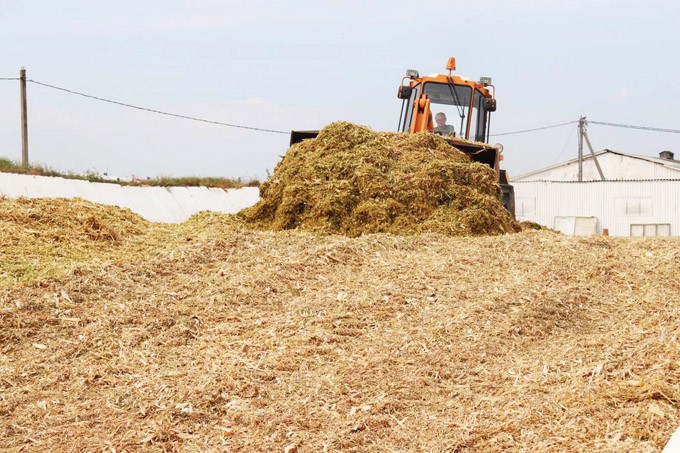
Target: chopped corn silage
<point x="352" y="181"/>
<point x="209" y="336"/>
<point x="39" y="237"/>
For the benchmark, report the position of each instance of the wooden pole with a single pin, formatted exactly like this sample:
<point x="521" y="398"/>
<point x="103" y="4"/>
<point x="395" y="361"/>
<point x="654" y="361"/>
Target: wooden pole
<point x="24" y="118"/>
<point x="581" y="122"/>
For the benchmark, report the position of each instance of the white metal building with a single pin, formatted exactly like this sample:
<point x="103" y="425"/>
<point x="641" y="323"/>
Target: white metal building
<point x="640" y="195"/>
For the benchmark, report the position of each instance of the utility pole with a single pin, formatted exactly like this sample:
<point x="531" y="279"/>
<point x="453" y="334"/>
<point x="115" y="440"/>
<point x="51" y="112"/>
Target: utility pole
<point x="582" y="133"/>
<point x="24" y="118"/>
<point x="581" y="128"/>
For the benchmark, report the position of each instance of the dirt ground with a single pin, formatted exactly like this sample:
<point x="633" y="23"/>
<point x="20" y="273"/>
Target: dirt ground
<point x="117" y="334"/>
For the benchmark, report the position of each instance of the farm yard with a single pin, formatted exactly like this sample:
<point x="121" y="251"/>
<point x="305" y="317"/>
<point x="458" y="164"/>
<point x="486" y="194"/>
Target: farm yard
<point x="258" y="227"/>
<point x="117" y="334"/>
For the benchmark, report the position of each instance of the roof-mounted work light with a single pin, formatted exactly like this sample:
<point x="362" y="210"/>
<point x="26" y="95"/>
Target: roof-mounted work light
<point x="412" y="73"/>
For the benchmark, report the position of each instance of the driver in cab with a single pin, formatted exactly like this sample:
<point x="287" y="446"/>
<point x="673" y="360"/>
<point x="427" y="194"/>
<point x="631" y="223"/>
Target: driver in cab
<point x="443" y="128"/>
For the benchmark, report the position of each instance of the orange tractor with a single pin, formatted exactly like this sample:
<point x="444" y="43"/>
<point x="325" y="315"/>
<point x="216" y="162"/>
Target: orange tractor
<point x="466" y="102"/>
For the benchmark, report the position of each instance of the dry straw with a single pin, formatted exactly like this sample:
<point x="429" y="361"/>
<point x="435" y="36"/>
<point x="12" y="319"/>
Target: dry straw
<point x="121" y="335"/>
<point x="352" y="181"/>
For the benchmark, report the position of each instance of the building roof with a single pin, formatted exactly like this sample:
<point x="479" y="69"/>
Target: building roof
<point x="673" y="164"/>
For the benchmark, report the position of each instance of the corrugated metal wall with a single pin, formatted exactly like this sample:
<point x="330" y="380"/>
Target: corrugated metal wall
<point x="619" y="206"/>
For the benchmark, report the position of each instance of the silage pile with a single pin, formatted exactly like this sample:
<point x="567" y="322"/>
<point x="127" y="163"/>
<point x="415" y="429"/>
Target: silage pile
<point x="352" y="181"/>
<point x="209" y="336"/>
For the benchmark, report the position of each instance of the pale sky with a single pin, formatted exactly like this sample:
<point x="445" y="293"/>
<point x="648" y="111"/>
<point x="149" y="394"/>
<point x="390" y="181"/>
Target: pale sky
<point x="288" y="65"/>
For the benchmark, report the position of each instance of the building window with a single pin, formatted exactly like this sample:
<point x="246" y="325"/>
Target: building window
<point x="633" y="206"/>
<point x="650" y="229"/>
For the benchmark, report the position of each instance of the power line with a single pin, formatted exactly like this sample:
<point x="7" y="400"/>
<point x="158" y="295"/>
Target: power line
<point x="160" y="112"/>
<point x="674" y="131"/>
<point x="218" y="122"/>
<point x="157" y="111"/>
<point x="535" y="129"/>
<point x="656" y="129"/>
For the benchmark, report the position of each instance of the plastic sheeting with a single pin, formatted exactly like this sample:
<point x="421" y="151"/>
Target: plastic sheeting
<point x="157" y="204"/>
<point x="673" y="445"/>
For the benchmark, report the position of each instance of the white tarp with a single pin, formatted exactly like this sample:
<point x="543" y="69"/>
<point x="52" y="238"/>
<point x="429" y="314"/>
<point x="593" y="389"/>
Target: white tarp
<point x="157" y="204"/>
<point x="673" y="445"/>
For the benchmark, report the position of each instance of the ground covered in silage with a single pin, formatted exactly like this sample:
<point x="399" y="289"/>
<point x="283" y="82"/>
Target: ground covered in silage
<point x="352" y="181"/>
<point x="121" y="335"/>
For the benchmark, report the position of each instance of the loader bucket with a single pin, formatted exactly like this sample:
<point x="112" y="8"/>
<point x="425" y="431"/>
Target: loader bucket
<point x="478" y="151"/>
<point x="489" y="155"/>
<point x="298" y="136"/>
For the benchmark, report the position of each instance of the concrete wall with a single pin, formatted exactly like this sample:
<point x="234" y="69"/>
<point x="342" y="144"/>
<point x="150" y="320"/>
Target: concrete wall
<point x="619" y="206"/>
<point x="157" y="204"/>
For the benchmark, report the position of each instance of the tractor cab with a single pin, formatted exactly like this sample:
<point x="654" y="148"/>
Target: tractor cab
<point x="464" y="104"/>
<point x="457" y="108"/>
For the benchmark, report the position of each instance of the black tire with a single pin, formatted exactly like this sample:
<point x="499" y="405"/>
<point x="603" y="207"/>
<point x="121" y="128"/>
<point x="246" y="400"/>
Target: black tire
<point x="509" y="198"/>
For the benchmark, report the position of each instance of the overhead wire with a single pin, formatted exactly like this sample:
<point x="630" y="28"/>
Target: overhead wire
<point x="534" y="129"/>
<point x="176" y="115"/>
<point x="628" y="126"/>
<point x="186" y="117"/>
<point x="275" y="131"/>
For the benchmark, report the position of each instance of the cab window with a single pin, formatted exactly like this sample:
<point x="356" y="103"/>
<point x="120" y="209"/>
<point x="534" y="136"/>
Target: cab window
<point x="451" y="100"/>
